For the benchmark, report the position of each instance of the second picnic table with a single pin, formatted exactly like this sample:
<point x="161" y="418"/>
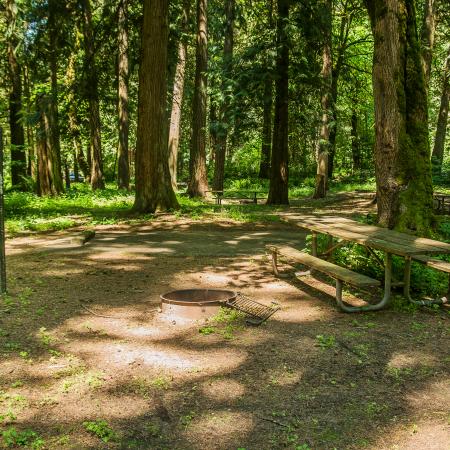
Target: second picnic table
<point x="376" y="238"/>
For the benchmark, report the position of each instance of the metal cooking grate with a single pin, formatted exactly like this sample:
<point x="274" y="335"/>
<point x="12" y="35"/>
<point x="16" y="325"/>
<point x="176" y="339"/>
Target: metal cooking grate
<point x="258" y="312"/>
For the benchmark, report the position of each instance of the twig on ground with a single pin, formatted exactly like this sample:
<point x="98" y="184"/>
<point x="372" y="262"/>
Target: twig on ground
<point x="96" y="314"/>
<point x="267" y="419"/>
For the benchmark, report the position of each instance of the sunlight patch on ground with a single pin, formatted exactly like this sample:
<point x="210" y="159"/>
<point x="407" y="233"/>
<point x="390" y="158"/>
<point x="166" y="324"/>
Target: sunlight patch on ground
<point x="221" y="426"/>
<point x="223" y="390"/>
<point x="124" y="355"/>
<point x="405" y="360"/>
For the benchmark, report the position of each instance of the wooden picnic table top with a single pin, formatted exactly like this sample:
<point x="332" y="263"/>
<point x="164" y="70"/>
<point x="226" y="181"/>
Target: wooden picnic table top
<point x="378" y="238"/>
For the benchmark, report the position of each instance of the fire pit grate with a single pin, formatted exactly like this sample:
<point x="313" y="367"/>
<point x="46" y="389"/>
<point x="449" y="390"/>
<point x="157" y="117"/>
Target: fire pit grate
<point x="257" y="312"/>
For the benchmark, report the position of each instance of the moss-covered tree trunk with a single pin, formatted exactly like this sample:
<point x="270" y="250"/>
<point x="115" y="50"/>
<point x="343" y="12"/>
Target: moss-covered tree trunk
<point x="123" y="172"/>
<point x="153" y="183"/>
<point x="427" y="36"/>
<point x="441" y="127"/>
<point x="279" y="171"/>
<point x="323" y="145"/>
<point x="402" y="152"/>
<point x="18" y="155"/>
<point x="177" y="94"/>
<point x="198" y="182"/>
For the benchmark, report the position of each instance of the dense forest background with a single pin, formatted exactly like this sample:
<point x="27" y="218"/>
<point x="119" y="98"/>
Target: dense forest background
<point x="239" y="75"/>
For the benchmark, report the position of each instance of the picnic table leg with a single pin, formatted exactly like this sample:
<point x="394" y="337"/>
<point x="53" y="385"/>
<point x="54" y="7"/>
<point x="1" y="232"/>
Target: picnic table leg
<point x="386" y="297"/>
<point x="314" y="244"/>
<point x="407" y="287"/>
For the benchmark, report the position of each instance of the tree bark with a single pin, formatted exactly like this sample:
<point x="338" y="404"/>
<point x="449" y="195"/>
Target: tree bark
<point x="264" y="166"/>
<point x="356" y="149"/>
<point x="74" y="127"/>
<point x="49" y="179"/>
<point x="266" y="137"/>
<point x="153" y="182"/>
<point x="326" y="77"/>
<point x="441" y="128"/>
<point x="177" y="97"/>
<point x="198" y="183"/>
<point x="279" y="178"/>
<point x="123" y="172"/>
<point x="53" y="113"/>
<point x="18" y="154"/>
<point x="91" y="87"/>
<point x="402" y="154"/>
<point x="224" y="111"/>
<point x="31" y="167"/>
<point x="427" y="37"/>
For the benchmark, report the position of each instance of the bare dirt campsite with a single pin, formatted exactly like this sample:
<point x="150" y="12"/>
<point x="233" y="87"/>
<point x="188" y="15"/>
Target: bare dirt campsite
<point x="88" y="362"/>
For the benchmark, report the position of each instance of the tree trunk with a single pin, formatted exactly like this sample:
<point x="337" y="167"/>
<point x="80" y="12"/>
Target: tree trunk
<point x="224" y="112"/>
<point x="402" y="154"/>
<point x="326" y="77"/>
<point x="31" y="167"/>
<point x="279" y="179"/>
<point x="123" y="172"/>
<point x="153" y="183"/>
<point x="18" y="154"/>
<point x="91" y="86"/>
<point x="264" y="166"/>
<point x="441" y="128"/>
<point x="49" y="179"/>
<point x="198" y="183"/>
<point x="427" y="36"/>
<point x="266" y="138"/>
<point x="356" y="150"/>
<point x="53" y="114"/>
<point x="74" y="127"/>
<point x="177" y="97"/>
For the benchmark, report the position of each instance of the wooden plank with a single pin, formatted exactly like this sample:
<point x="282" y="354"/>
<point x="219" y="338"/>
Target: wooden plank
<point x="376" y="237"/>
<point x="325" y="267"/>
<point x="434" y="263"/>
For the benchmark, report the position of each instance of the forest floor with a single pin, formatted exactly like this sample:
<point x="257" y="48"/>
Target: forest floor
<point x="88" y="362"/>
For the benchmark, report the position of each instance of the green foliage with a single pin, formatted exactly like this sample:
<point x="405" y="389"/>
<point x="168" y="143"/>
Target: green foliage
<point x="26" y="438"/>
<point x="325" y="341"/>
<point x="101" y="429"/>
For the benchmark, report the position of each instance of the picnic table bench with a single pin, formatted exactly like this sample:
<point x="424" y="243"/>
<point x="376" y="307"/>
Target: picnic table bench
<point x="248" y="197"/>
<point x="441" y="203"/>
<point x="373" y="238"/>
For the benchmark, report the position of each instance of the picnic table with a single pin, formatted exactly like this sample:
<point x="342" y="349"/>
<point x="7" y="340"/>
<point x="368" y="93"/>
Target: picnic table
<point x="242" y="196"/>
<point x="372" y="237"/>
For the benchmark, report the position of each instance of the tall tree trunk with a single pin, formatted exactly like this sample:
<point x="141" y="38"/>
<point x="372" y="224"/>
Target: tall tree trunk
<point x="264" y="166"/>
<point x="356" y="150"/>
<point x="53" y="113"/>
<point x="18" y="154"/>
<point x="153" y="183"/>
<point x="441" y="128"/>
<point x="31" y="167"/>
<point x="402" y="153"/>
<point x="326" y="77"/>
<point x="91" y="86"/>
<point x="123" y="172"/>
<point x="224" y="112"/>
<point x="198" y="183"/>
<point x="177" y="97"/>
<point x="74" y="127"/>
<point x="266" y="137"/>
<point x="49" y="179"/>
<point x="279" y="178"/>
<point x="427" y="36"/>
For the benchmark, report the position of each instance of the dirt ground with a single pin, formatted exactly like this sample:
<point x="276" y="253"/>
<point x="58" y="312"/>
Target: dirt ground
<point x="81" y="340"/>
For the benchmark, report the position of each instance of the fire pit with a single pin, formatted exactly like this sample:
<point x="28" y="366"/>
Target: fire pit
<point x="195" y="304"/>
